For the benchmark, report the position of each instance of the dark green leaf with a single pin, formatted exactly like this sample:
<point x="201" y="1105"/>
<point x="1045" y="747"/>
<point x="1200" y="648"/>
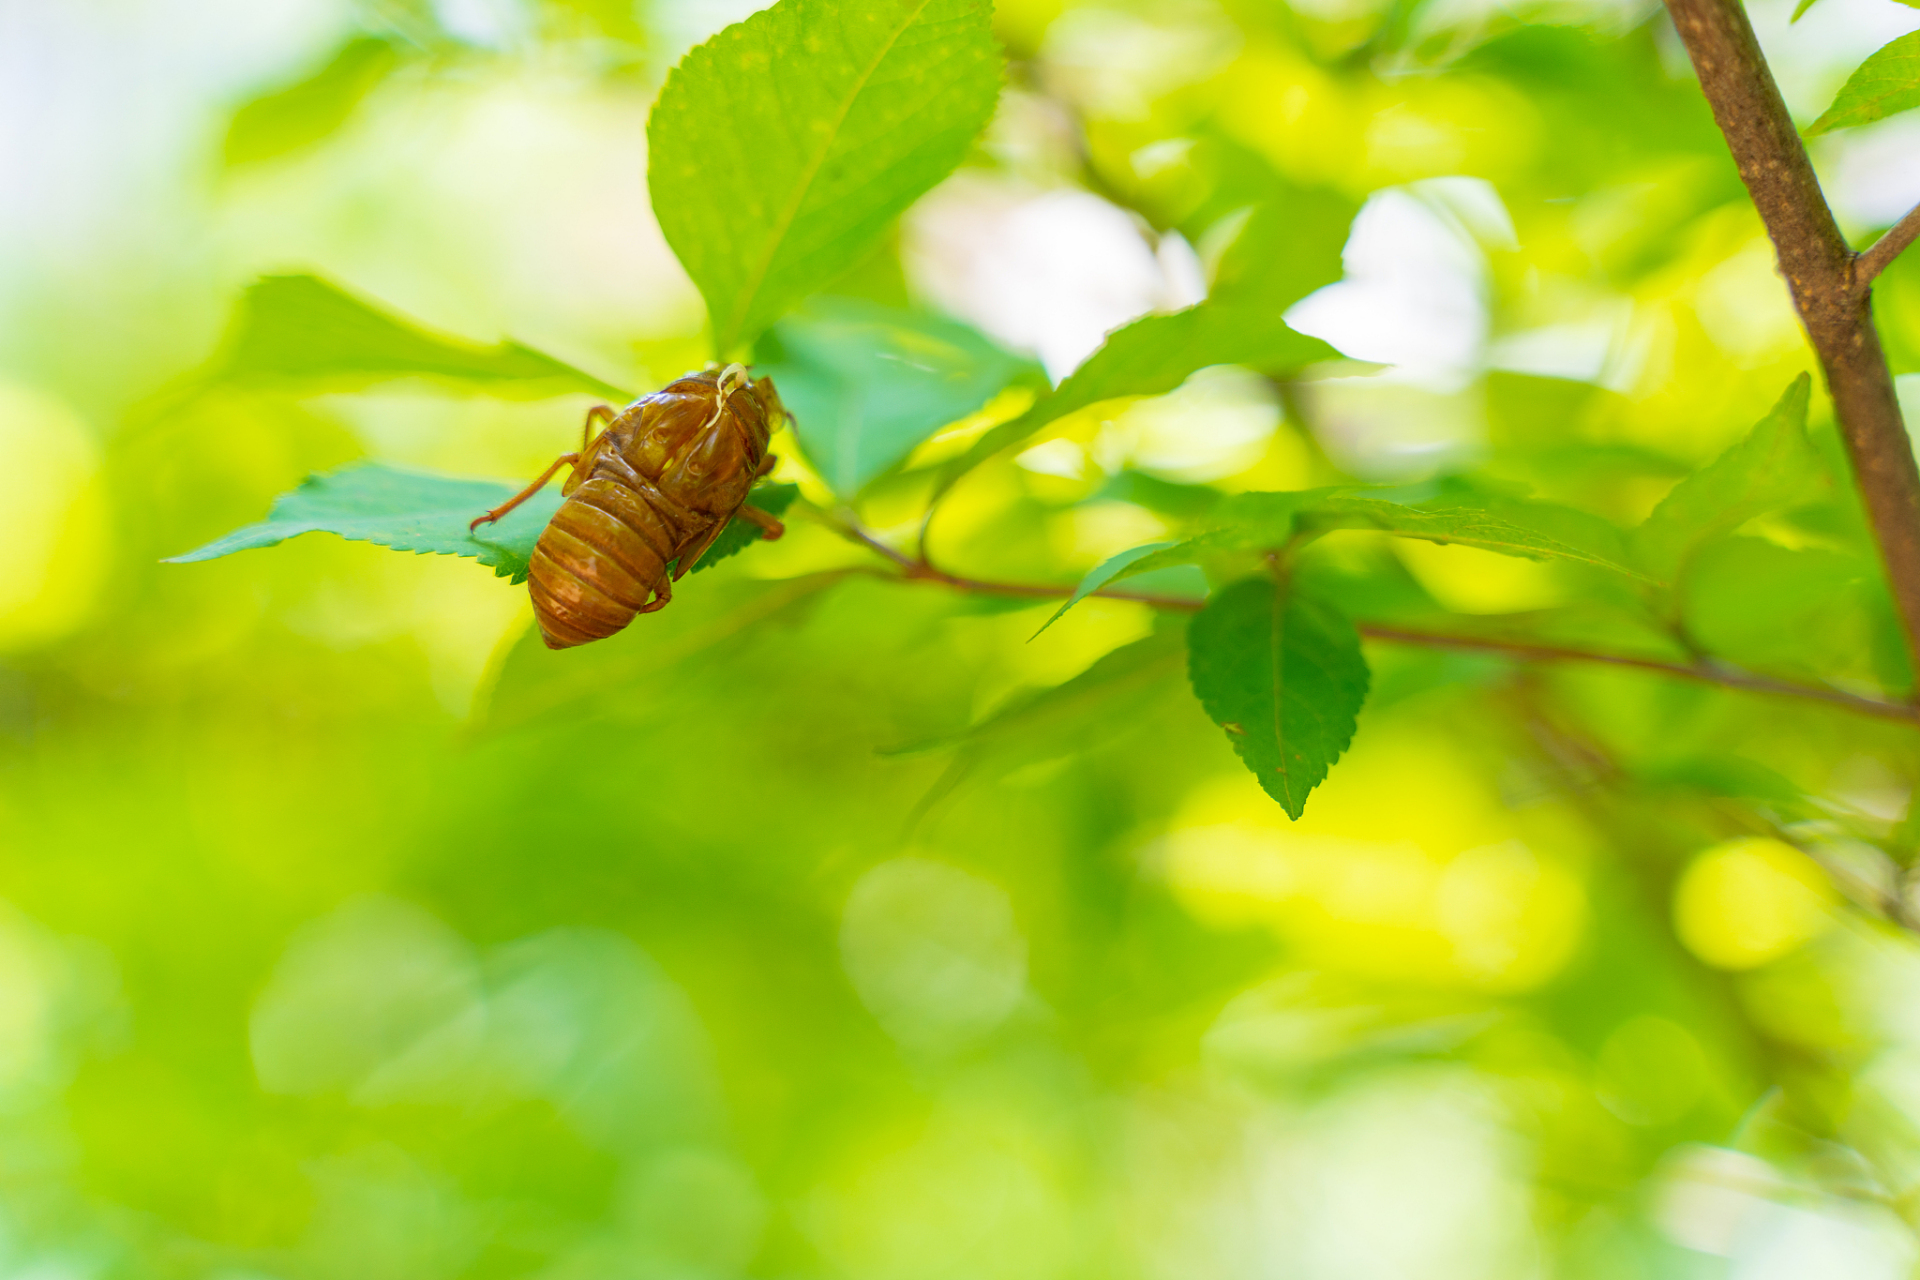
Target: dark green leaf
<point x="428" y="514"/>
<point x="1886" y="83"/>
<point x="781" y="148"/>
<point x="305" y="113"/>
<point x="867" y="383"/>
<point x="303" y="331"/>
<point x="1282" y="673"/>
<point x="1153" y="356"/>
<point x="1773" y="468"/>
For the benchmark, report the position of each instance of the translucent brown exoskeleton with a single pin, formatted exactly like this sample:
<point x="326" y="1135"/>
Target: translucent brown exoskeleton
<point x="647" y="497"/>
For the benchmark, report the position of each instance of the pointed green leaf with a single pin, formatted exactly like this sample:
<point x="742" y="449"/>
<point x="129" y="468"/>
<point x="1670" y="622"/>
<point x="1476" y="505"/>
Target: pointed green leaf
<point x="1773" y="468"/>
<point x="1152" y="356"/>
<point x="307" y="333"/>
<point x="1282" y="673"/>
<point x="780" y="149"/>
<point x="1886" y="83"/>
<point x="1243" y="522"/>
<point x="307" y="112"/>
<point x="1099" y="576"/>
<point x="867" y="383"/>
<point x="428" y="514"/>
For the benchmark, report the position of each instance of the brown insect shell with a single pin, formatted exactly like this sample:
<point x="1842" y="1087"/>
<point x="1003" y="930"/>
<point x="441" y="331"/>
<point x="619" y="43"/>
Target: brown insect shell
<point x="685" y="459"/>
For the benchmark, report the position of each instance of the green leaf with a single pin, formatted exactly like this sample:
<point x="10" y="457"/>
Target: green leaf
<point x="1152" y="356"/>
<point x="1773" y="468"/>
<point x="1244" y="522"/>
<point x="407" y="510"/>
<point x="303" y="331"/>
<point x="867" y="383"/>
<point x="1801" y="8"/>
<point x="1099" y="576"/>
<point x="1282" y="673"/>
<point x="1530" y="530"/>
<point x="302" y="114"/>
<point x="428" y="514"/>
<point x="780" y="149"/>
<point x="1886" y="83"/>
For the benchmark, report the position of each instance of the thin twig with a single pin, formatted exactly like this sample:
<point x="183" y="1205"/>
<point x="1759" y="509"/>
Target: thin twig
<point x="1824" y="275"/>
<point x="1703" y="672"/>
<point x="1883" y="251"/>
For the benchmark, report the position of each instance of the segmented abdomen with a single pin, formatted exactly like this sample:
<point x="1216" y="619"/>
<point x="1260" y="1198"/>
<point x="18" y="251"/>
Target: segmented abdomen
<point x="603" y="557"/>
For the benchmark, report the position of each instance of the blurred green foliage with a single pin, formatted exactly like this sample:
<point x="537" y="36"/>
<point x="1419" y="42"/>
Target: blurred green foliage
<point x="826" y="924"/>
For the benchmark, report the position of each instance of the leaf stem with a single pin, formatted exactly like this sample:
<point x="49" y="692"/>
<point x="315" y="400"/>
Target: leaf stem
<point x="1703" y="671"/>
<point x="1880" y="255"/>
<point x="1825" y="276"/>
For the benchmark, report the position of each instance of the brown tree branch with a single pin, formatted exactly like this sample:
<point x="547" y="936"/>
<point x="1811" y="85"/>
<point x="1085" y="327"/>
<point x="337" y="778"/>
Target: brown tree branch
<point x="1828" y="286"/>
<point x="1880" y="256"/>
<point x="1704" y="672"/>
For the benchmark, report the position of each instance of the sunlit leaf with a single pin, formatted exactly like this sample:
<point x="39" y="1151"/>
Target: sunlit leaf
<point x="305" y="332"/>
<point x="781" y="148"/>
<point x="1883" y="85"/>
<point x="867" y="383"/>
<point x="1534" y="531"/>
<point x="1773" y="468"/>
<point x="1282" y="673"/>
<point x="429" y="515"/>
<point x="302" y="114"/>
<point x="1290" y="246"/>
<point x="1152" y="356"/>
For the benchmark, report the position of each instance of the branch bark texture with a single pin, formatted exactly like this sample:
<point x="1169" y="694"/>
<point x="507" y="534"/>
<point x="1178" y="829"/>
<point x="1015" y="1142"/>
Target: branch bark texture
<point x="1828" y="280"/>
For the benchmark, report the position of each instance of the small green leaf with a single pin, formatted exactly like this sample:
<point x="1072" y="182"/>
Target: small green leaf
<point x="780" y="149"/>
<point x="302" y="114"/>
<point x="867" y="383"/>
<point x="1801" y="8"/>
<point x="1773" y="468"/>
<point x="1099" y="576"/>
<point x="1243" y="522"/>
<point x="428" y="515"/>
<point x="1883" y="85"/>
<point x="1152" y="356"/>
<point x="1282" y="673"/>
<point x="305" y="332"/>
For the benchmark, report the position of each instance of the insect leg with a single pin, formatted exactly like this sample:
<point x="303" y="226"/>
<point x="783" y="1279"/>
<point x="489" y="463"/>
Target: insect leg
<point x="601" y="412"/>
<point x="565" y="459"/>
<point x="766" y="465"/>
<point x="770" y="528"/>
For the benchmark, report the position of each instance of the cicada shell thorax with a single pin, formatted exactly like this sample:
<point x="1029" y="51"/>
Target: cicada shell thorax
<point x="646" y="499"/>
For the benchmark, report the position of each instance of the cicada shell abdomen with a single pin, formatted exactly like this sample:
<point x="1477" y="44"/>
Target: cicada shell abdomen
<point x="653" y="491"/>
